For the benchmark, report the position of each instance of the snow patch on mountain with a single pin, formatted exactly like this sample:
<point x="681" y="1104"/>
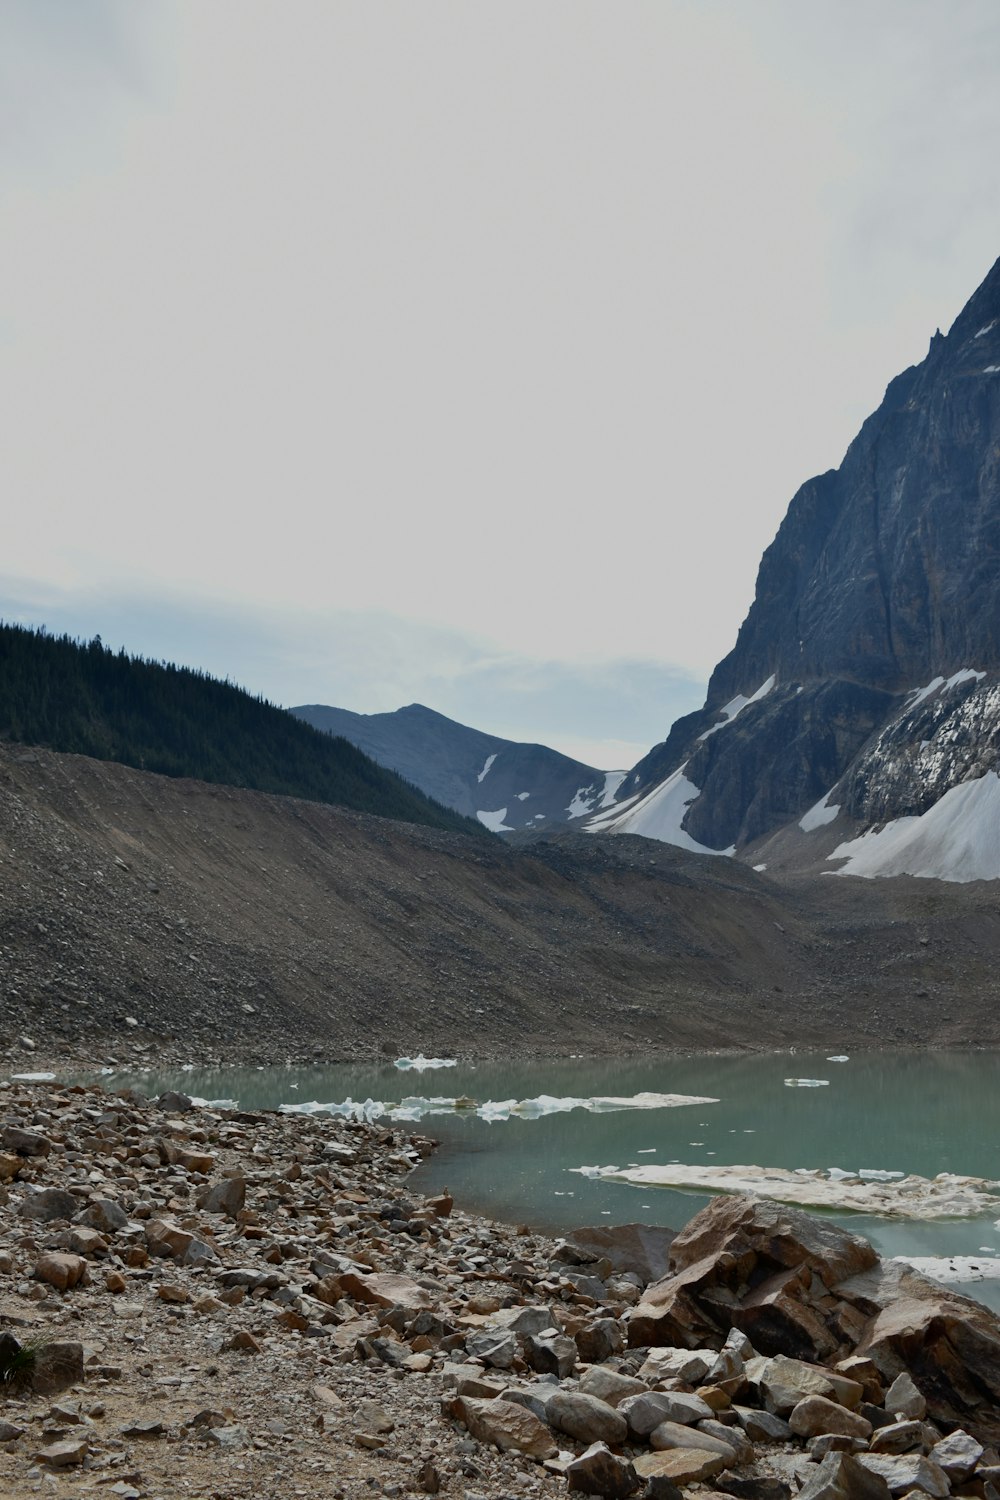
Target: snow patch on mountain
<point x="736" y="705"/>
<point x="819" y="815"/>
<point x="657" y="815"/>
<point x="494" y="821"/>
<point x="958" y="839"/>
<point x="486" y="769"/>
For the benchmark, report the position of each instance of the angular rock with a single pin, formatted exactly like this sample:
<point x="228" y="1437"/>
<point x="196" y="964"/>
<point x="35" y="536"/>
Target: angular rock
<point x="507" y="1426"/>
<point x="66" y="1454"/>
<point x="103" y="1214"/>
<point x="679" y="1465"/>
<point x="385" y="1289"/>
<point x="648" y="1410"/>
<point x="60" y="1270"/>
<point x="816" y="1414"/>
<point x="762" y="1426"/>
<point x="957" y="1454"/>
<point x="908" y="1471"/>
<point x="498" y="1348"/>
<point x="58" y="1365"/>
<point x="607" y="1385"/>
<point x="841" y="1477"/>
<point x="764" y="1488"/>
<point x="642" y="1249"/>
<point x="903" y="1399"/>
<point x="690" y="1366"/>
<point x="598" y="1472"/>
<point x="24" y="1142"/>
<point x="225" y="1197"/>
<point x="173" y="1103"/>
<point x="899" y="1437"/>
<point x="676" y="1435"/>
<point x="784" y="1382"/>
<point x="598" y="1341"/>
<point x="586" y="1418"/>
<point x="555" y="1355"/>
<point x="49" y="1204"/>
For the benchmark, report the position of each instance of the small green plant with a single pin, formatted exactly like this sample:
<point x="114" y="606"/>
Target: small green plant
<point x="17" y="1362"/>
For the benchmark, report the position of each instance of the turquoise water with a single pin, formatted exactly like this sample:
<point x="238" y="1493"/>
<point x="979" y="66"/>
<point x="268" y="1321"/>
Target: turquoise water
<point x="921" y="1113"/>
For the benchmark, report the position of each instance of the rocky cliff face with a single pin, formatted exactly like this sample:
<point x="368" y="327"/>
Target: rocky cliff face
<point x="867" y="666"/>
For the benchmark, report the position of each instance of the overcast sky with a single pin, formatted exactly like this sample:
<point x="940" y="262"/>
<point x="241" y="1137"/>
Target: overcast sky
<point x="469" y="351"/>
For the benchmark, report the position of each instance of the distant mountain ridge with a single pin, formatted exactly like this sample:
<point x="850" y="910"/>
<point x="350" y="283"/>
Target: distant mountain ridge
<point x="85" y="699"/>
<point x="504" y="784"/>
<point x="864" y="684"/>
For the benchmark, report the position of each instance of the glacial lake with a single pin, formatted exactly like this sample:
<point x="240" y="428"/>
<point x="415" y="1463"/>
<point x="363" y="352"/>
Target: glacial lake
<point x="899" y="1112"/>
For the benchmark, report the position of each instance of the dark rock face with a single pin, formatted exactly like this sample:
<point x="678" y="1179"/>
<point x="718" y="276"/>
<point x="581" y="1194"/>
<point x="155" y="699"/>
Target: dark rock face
<point x="533" y="786"/>
<point x="884" y="574"/>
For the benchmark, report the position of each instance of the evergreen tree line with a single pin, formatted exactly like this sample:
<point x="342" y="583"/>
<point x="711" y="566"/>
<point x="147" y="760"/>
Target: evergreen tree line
<point x="85" y="699"/>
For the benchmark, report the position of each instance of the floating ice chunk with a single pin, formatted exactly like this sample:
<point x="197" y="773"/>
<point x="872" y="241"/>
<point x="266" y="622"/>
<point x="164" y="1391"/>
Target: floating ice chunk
<point x="876" y="1174"/>
<point x="952" y="1268"/>
<point x="837" y="1174"/>
<point x="840" y="1058"/>
<point x="486" y="769"/>
<point x="943" y="1197"/>
<point x="645" y="1150"/>
<point x="420" y="1063"/>
<point x="216" y="1103"/>
<point x="819" y="815"/>
<point x="350" y="1109"/>
<point x="806" y="1083"/>
<point x="33" y="1077"/>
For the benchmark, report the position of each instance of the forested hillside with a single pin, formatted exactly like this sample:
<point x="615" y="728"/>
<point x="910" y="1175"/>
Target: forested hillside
<point x="88" y="700"/>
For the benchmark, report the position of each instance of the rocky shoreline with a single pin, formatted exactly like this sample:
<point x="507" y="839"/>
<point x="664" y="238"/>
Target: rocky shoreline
<point x="236" y="1303"/>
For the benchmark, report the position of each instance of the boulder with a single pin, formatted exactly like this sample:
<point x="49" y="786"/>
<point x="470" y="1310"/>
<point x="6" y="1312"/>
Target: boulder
<point x="225" y="1197"/>
<point x="899" y="1437"/>
<point x="642" y="1249"/>
<point x="586" y="1418"/>
<point x="903" y="1399"/>
<point x="58" y="1365"/>
<point x="689" y="1366"/>
<point x="496" y="1347"/>
<point x="841" y="1476"/>
<point x="505" y="1425"/>
<point x="608" y="1385"/>
<point x="598" y="1341"/>
<point x="103" y="1214"/>
<point x="784" y="1382"/>
<point x="957" y="1454"/>
<point x="385" y="1289"/>
<point x="676" y="1435"/>
<point x="554" y="1354"/>
<point x="679" y="1465"/>
<point x="60" y="1270"/>
<point x="48" y="1204"/>
<point x="598" y="1472"/>
<point x="816" y="1414"/>
<point x="908" y="1471"/>
<point x="23" y="1142"/>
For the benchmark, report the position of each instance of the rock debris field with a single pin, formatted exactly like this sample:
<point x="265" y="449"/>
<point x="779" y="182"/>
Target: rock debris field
<point x="226" y="1303"/>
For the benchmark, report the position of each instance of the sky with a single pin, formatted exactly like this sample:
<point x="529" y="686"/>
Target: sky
<point x="469" y="352"/>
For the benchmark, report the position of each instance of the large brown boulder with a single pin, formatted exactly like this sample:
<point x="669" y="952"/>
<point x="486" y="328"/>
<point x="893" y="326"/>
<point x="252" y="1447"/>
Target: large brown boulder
<point x="949" y="1344"/>
<point x="642" y="1249"/>
<point x="758" y="1266"/>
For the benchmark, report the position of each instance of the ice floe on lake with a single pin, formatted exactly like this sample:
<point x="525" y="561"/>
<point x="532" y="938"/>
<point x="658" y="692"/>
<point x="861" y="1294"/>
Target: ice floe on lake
<point x="420" y="1063"/>
<point x="808" y="1083"/>
<point x="869" y="1191"/>
<point x="958" y="1268"/>
<point x="416" y="1107"/>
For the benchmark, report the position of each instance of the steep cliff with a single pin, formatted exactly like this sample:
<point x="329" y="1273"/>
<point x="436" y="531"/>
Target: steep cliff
<point x="869" y="658"/>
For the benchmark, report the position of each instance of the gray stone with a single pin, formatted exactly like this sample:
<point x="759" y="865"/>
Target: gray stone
<point x="103" y="1214"/>
<point x="173" y="1103"/>
<point x="643" y="1249"/>
<point x="48" y="1204"/>
<point x="586" y="1418"/>
<point x="521" y="1321"/>
<point x="58" y="1365"/>
<point x="607" y="1385"/>
<point x="908" y="1471"/>
<point x="598" y="1472"/>
<point x="816" y="1414"/>
<point x="733" y="1436"/>
<point x="903" y="1399"/>
<point x="784" y="1382"/>
<point x="834" y="1442"/>
<point x="497" y="1347"/>
<point x="24" y="1142"/>
<point x="841" y="1477"/>
<point x="600" y="1340"/>
<point x="957" y="1454"/>
<point x="675" y="1435"/>
<point x="899" y="1437"/>
<point x="552" y="1355"/>
<point x="688" y="1365"/>
<point x="762" y="1426"/>
<point x="225" y="1197"/>
<point x="506" y="1425"/>
<point x="647" y="1410"/>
